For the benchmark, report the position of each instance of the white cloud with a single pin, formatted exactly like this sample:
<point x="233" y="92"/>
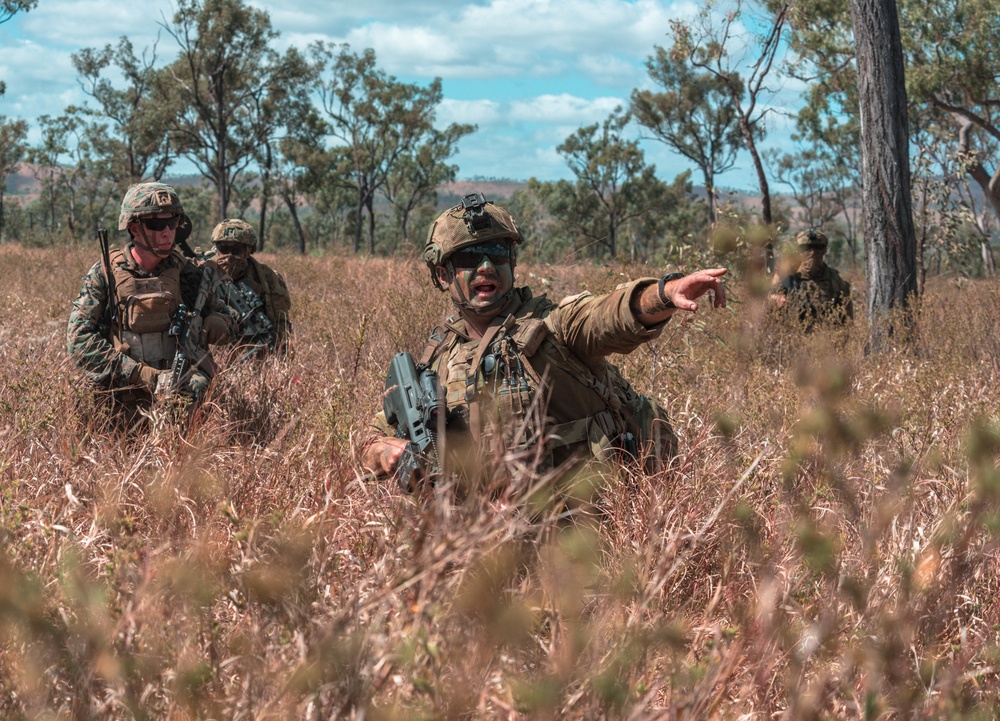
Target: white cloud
<point x="528" y="73"/>
<point x="484" y="113"/>
<point x="563" y="108"/>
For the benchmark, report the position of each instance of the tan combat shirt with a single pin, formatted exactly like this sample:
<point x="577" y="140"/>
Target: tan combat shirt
<point x="565" y="400"/>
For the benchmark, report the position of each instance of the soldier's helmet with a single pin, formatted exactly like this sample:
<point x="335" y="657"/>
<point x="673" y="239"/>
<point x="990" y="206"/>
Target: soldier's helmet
<point x="811" y="238"/>
<point x="475" y="221"/>
<point x="234" y="230"/>
<point x="145" y="199"/>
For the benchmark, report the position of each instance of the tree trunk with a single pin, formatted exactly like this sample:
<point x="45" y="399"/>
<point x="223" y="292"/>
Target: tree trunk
<point x="263" y="222"/>
<point x="710" y="191"/>
<point x="986" y="251"/>
<point x="294" y="212"/>
<point x="890" y="243"/>
<point x="758" y="164"/>
<point x="358" y="214"/>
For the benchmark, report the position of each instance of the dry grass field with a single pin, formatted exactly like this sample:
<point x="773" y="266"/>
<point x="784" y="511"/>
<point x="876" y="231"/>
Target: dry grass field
<point x="824" y="546"/>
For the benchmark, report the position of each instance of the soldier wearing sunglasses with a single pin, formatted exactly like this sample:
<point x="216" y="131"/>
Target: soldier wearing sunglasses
<point x="525" y="375"/>
<point x="233" y="244"/>
<point x="119" y="330"/>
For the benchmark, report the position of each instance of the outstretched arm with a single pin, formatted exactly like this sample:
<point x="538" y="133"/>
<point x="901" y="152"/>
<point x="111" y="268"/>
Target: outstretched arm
<point x="682" y="294"/>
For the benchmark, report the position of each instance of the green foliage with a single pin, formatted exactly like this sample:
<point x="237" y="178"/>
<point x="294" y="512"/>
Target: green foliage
<point x="387" y="140"/>
<point x="693" y="115"/>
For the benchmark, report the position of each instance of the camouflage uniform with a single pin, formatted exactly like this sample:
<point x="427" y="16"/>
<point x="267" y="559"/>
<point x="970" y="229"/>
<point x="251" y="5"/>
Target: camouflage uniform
<point x="117" y="350"/>
<point x="817" y="291"/>
<point x="539" y="378"/>
<point x="554" y="355"/>
<point x="267" y="284"/>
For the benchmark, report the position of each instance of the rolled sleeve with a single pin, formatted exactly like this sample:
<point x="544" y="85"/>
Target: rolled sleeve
<point x="597" y="326"/>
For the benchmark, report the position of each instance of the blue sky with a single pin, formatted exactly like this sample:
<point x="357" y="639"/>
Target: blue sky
<point x="527" y="72"/>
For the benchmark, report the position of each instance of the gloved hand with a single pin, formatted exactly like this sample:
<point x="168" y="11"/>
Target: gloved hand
<point x="217" y="329"/>
<point x="147" y="376"/>
<point x="164" y="383"/>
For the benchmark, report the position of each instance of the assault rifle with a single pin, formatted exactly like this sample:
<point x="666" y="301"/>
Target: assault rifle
<point x="183" y="328"/>
<point x="111" y="306"/>
<point x="256" y="329"/>
<point x="412" y="402"/>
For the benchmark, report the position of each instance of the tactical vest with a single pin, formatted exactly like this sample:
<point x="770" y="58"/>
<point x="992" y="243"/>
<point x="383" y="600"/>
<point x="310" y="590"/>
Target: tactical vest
<point x="266" y="284"/>
<point x="145" y="307"/>
<point x="519" y="385"/>
<point x="813" y="295"/>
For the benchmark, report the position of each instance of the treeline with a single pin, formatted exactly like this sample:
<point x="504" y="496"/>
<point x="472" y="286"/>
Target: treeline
<point x="322" y="148"/>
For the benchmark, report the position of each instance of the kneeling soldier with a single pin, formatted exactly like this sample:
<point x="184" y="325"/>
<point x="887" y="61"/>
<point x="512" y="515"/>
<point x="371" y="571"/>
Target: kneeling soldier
<point x="145" y="314"/>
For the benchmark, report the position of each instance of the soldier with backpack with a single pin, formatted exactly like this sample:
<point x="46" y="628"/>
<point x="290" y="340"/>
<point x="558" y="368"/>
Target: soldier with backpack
<point x="519" y="372"/>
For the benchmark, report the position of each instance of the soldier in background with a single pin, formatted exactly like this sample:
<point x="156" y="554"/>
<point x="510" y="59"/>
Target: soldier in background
<point x="525" y="373"/>
<point x="234" y="242"/>
<point x="814" y="289"/>
<point x="120" y="329"/>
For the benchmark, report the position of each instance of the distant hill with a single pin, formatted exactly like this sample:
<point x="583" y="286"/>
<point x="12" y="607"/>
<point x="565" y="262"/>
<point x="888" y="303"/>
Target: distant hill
<point x="25" y="187"/>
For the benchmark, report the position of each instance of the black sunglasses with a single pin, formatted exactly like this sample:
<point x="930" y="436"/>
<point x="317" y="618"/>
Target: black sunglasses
<point x="229" y="248"/>
<point x="472" y="257"/>
<point x="157" y="224"/>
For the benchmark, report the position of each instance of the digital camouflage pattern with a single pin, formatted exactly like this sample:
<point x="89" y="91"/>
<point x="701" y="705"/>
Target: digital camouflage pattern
<point x="822" y="294"/>
<point x="234" y="230"/>
<point x="556" y="354"/>
<point x="94" y="342"/>
<point x="145" y="199"/>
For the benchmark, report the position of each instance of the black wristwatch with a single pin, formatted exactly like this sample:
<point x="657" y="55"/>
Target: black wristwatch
<point x="663" y="281"/>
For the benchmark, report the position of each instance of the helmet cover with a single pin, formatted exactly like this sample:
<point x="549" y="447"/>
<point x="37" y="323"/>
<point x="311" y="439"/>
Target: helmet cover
<point x="147" y="199"/>
<point x="811" y="239"/>
<point x="474" y="222"/>
<point x="234" y="230"/>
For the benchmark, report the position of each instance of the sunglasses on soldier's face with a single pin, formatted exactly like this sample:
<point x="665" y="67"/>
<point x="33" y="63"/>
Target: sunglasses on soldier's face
<point x="472" y="257"/>
<point x="158" y="224"/>
<point x="229" y="248"/>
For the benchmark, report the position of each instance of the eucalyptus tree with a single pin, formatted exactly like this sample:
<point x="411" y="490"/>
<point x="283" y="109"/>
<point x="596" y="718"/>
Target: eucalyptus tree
<point x="413" y="182"/>
<point x="284" y="111"/>
<point x="613" y="180"/>
<point x="300" y="157"/>
<point x="953" y="67"/>
<point x="693" y="115"/>
<point x="13" y="148"/>
<point x="134" y="119"/>
<point x="890" y="241"/>
<point x="952" y="73"/>
<point x="375" y="120"/>
<point x="218" y="85"/>
<point x="823" y="175"/>
<point x="9" y="8"/>
<point x="728" y="46"/>
<point x="69" y="165"/>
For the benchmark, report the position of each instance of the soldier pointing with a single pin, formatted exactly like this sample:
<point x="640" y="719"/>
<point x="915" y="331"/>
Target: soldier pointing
<point x="522" y="372"/>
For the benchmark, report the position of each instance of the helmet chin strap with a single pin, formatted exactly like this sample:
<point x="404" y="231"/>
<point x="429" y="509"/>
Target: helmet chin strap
<point x="146" y="245"/>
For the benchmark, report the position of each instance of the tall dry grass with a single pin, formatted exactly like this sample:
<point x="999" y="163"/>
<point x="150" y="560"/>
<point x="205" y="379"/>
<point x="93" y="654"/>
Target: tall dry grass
<point x="823" y="547"/>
